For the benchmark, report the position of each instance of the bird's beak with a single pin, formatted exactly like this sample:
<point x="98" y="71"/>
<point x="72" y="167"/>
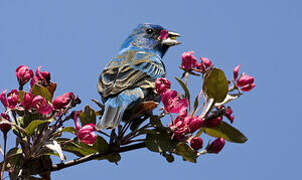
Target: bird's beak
<point x="171" y="40"/>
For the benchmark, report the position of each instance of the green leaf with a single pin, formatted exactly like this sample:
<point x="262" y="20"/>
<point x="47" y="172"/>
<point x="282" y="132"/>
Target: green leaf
<point x="185" y="88"/>
<point x="160" y="142"/>
<point x="100" y="144"/>
<point x="13" y="157"/>
<point x="42" y="91"/>
<point x="71" y="130"/>
<point x="215" y="85"/>
<point x="227" y="132"/>
<point x="21" y="95"/>
<point x="88" y="116"/>
<point x="34" y="124"/>
<point x="186" y="152"/>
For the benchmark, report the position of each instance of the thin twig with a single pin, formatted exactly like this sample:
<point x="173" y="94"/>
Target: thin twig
<point x="74" y="162"/>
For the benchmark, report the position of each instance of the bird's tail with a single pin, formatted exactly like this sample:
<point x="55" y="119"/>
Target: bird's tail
<point x="116" y="106"/>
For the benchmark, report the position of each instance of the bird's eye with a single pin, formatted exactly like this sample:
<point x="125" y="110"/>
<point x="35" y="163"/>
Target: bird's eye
<point x="149" y="31"/>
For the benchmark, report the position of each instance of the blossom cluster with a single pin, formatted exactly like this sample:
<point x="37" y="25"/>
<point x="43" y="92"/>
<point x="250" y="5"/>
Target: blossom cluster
<point x="187" y="123"/>
<point x="20" y="100"/>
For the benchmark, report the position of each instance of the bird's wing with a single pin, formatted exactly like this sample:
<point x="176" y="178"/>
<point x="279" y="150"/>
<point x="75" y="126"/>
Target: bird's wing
<point x="132" y="69"/>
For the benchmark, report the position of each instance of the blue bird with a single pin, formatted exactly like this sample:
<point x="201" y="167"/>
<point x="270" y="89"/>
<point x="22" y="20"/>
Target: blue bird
<point x="129" y="78"/>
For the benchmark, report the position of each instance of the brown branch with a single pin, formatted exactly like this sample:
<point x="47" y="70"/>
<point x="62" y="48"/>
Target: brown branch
<point x="74" y="162"/>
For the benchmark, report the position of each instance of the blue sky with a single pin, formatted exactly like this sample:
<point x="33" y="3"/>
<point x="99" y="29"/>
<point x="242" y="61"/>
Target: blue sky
<point x="74" y="39"/>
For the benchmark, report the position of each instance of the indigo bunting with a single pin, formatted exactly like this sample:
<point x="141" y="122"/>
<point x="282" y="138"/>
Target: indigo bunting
<point x="129" y="78"/>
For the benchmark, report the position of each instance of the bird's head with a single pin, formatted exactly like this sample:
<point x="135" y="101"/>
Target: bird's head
<point x="151" y="37"/>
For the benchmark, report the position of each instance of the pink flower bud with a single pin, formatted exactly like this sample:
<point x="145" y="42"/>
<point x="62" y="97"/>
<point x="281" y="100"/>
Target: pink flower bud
<point x="207" y="62"/>
<point x="4" y="127"/>
<point x="248" y="87"/>
<point x="216" y="146"/>
<point x="171" y="102"/>
<point x="245" y="79"/>
<point x="41" y="77"/>
<point x="26" y="102"/>
<point x="164" y="34"/>
<point x="13" y="98"/>
<point x="41" y="105"/>
<point x="161" y="85"/>
<point x="23" y="74"/>
<point x="228" y="110"/>
<point x="189" y="61"/>
<point x="196" y="143"/>
<point x="3" y="98"/>
<point x="236" y="71"/>
<point x="86" y="134"/>
<point x="76" y="121"/>
<point x="213" y="122"/>
<point x="194" y="124"/>
<point x="62" y="101"/>
<point x="228" y="114"/>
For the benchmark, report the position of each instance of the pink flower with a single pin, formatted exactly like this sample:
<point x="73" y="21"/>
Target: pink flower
<point x="189" y="61"/>
<point x="26" y="102"/>
<point x="41" y="105"/>
<point x="3" y="98"/>
<point x="41" y="77"/>
<point x="207" y="62"/>
<point x="213" y="122"/>
<point x="161" y="85"/>
<point x="62" y="101"/>
<point x="236" y="71"/>
<point x="196" y="143"/>
<point x="216" y="146"/>
<point x="184" y="125"/>
<point x="75" y="119"/>
<point x="4" y="127"/>
<point x="244" y="82"/>
<point x="228" y="114"/>
<point x="86" y="134"/>
<point x="193" y="123"/>
<point x="23" y="74"/>
<point x="164" y="34"/>
<point x="171" y="102"/>
<point x="11" y="100"/>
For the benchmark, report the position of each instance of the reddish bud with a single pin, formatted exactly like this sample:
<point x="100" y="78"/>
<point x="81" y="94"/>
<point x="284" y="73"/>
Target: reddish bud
<point x="62" y="101"/>
<point x="13" y="99"/>
<point x="196" y="143"/>
<point x="26" y="102"/>
<point x="86" y="134"/>
<point x="76" y="121"/>
<point x="164" y="34"/>
<point x="41" y="105"/>
<point x="207" y="62"/>
<point x="248" y="87"/>
<point x="194" y="124"/>
<point x="236" y="71"/>
<point x="171" y="102"/>
<point x="42" y="78"/>
<point x="3" y="98"/>
<point x="23" y="74"/>
<point x="213" y="122"/>
<point x="4" y="127"/>
<point x="245" y="79"/>
<point x="216" y="146"/>
<point x="161" y="85"/>
<point x="189" y="61"/>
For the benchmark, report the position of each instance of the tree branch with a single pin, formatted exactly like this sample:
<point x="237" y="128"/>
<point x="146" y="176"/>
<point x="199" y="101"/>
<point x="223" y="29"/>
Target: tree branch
<point x="74" y="162"/>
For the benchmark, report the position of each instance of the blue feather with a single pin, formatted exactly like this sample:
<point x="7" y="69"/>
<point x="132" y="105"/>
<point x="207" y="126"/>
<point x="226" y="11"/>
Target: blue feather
<point x="125" y="78"/>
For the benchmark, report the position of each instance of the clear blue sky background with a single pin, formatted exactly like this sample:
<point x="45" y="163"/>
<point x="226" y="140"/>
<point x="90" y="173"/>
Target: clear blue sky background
<point x="74" y="39"/>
